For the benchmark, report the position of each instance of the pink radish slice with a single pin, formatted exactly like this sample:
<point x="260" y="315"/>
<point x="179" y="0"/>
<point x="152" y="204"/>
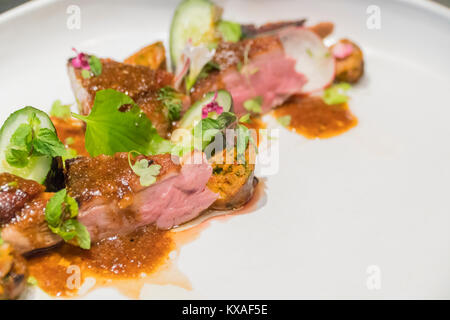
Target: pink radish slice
<point x="313" y="58"/>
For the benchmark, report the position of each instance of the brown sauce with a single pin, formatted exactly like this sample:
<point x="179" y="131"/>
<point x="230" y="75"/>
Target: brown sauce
<point x="71" y="133"/>
<point x="125" y="257"/>
<point x="311" y="117"/>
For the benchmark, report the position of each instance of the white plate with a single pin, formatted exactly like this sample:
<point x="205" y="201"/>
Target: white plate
<point x="371" y="204"/>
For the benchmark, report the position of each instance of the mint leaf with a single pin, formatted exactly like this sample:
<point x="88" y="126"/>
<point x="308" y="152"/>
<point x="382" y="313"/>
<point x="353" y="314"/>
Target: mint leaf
<point x="207" y="129"/>
<point x="17" y="158"/>
<point x="336" y="94"/>
<point x="53" y="209"/>
<point x="60" y="110"/>
<point x="253" y="105"/>
<point x="96" y="65"/>
<point x="47" y="143"/>
<point x="110" y="130"/>
<point x="231" y="31"/>
<point x="60" y="212"/>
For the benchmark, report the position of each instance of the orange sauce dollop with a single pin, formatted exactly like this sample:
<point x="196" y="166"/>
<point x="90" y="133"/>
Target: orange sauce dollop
<point x="311" y="117"/>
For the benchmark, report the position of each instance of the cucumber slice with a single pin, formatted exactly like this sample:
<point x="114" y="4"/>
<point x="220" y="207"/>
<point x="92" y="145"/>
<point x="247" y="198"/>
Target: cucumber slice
<point x="39" y="166"/>
<point x="194" y="20"/>
<point x="194" y="114"/>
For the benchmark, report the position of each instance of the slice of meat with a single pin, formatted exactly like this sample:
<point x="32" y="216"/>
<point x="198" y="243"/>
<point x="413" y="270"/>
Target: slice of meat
<point x="252" y="68"/>
<point x="14" y="193"/>
<point x="139" y="82"/>
<point x="13" y="273"/>
<point x="28" y="230"/>
<point x="112" y="200"/>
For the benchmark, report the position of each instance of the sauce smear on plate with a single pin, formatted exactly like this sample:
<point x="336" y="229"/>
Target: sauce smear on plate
<point x="311" y="117"/>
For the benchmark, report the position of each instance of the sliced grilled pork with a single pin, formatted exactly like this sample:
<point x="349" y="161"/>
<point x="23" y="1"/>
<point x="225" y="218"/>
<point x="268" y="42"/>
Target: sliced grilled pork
<point x="252" y="68"/>
<point x="22" y="204"/>
<point x="139" y="82"/>
<point x="28" y="230"/>
<point x="112" y="200"/>
<point x="14" y="193"/>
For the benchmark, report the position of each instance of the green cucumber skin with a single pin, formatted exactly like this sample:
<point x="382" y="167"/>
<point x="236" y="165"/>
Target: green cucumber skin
<point x="194" y="113"/>
<point x="40" y="166"/>
<point x="174" y="38"/>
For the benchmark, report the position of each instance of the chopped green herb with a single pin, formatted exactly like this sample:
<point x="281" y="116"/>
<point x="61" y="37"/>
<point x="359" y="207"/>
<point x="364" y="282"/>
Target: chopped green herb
<point x="336" y="94"/>
<point x="309" y="52"/>
<point x="96" y="65"/>
<point x="147" y="172"/>
<point x="245" y="118"/>
<point x="13" y="184"/>
<point x="231" y="31"/>
<point x="110" y="130"/>
<point x="69" y="141"/>
<point x="60" y="110"/>
<point x="253" y="105"/>
<point x="86" y="74"/>
<point x="171" y="101"/>
<point x="60" y="214"/>
<point x="284" y="120"/>
<point x="31" y="281"/>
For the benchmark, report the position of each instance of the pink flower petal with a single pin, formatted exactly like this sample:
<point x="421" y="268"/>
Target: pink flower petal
<point x="342" y="50"/>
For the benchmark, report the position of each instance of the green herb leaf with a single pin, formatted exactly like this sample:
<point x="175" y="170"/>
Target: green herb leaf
<point x="53" y="209"/>
<point x="245" y="118"/>
<point x="171" y="101"/>
<point x="110" y="130"/>
<point x="47" y="143"/>
<point x="253" y="105"/>
<point x="96" y="65"/>
<point x="207" y="129"/>
<point x="242" y="140"/>
<point x="60" y="212"/>
<point x="60" y="110"/>
<point x="31" y="281"/>
<point x="336" y="94"/>
<point x="207" y="69"/>
<point x="86" y="74"/>
<point x="284" y="120"/>
<point x="231" y="31"/>
<point x="147" y="173"/>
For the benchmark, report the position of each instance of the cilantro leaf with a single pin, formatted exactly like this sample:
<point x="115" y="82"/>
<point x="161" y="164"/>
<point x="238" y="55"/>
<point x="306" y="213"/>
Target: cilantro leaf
<point x="60" y="212"/>
<point x="336" y="94"/>
<point x="110" y="130"/>
<point x="253" y="105"/>
<point x="231" y="31"/>
<point x="147" y="173"/>
<point x="47" y="143"/>
<point x="60" y="110"/>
